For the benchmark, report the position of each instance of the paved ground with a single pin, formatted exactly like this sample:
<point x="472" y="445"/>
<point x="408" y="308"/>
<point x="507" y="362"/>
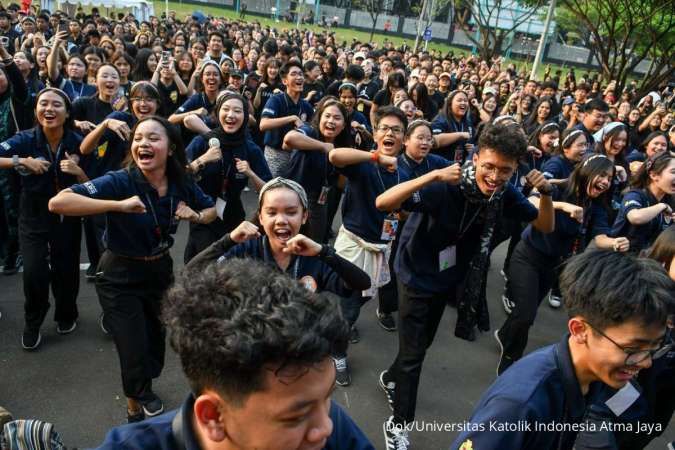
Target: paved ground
<point x="73" y="381"/>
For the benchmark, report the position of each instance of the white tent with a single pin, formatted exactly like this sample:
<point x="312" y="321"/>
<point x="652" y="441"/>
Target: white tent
<point x="141" y="9"/>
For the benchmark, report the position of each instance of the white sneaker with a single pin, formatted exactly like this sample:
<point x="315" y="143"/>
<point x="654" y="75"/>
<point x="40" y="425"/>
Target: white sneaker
<point x="554" y="301"/>
<point x="508" y="304"/>
<point x="395" y="436"/>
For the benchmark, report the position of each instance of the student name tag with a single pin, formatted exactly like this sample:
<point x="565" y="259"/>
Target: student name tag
<point x="220" y="207"/>
<point x="447" y="258"/>
<point x="623" y="399"/>
<point x="389" y="227"/>
<point x="323" y="196"/>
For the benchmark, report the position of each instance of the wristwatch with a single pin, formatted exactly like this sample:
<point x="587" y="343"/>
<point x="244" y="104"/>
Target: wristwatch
<point x="19" y="167"/>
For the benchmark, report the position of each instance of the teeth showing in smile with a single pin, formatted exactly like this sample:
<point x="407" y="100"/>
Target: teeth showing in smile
<point x="283" y="235"/>
<point x="145" y="155"/>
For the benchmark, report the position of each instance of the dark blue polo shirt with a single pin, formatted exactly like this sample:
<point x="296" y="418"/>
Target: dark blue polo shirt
<point x="589" y="136"/>
<point x="640" y="236"/>
<point x="148" y="233"/>
<point x="212" y="176"/>
<point x="310" y="168"/>
<point x="558" y="168"/>
<point x="541" y="388"/>
<point x="454" y="152"/>
<point x="365" y="181"/>
<point x="636" y="155"/>
<point x="316" y="273"/>
<point x="195" y="101"/>
<point x="538" y="163"/>
<point x="110" y="150"/>
<point x="157" y="434"/>
<point x="75" y="89"/>
<point x="281" y="105"/>
<point x="567" y="231"/>
<point x="412" y="169"/>
<point x="32" y="143"/>
<point x="440" y="211"/>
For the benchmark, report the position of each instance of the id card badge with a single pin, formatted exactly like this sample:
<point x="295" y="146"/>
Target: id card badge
<point x="220" y="207"/>
<point x="389" y="227"/>
<point x="323" y="196"/>
<point x="447" y="258"/>
<point x="459" y="154"/>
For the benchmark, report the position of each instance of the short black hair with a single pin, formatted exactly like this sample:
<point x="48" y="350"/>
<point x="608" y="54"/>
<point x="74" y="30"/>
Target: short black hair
<point x="506" y="139"/>
<point x="355" y="72"/>
<point x="609" y="288"/>
<point x="228" y="332"/>
<point x="309" y="65"/>
<point x="390" y="110"/>
<point x="596" y="105"/>
<point x="286" y="68"/>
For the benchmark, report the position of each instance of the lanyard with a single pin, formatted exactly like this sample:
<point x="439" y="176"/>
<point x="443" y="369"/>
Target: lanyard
<point x="384" y="187"/>
<point x="79" y="94"/>
<point x="53" y="159"/>
<point x="269" y="259"/>
<point x="158" y="228"/>
<point x="426" y="161"/>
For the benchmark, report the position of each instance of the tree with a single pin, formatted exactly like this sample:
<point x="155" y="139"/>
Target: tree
<point x="374" y="9"/>
<point x="622" y="34"/>
<point x="496" y="20"/>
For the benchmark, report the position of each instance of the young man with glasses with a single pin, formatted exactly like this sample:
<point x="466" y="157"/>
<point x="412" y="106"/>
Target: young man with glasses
<point x="366" y="235"/>
<point x="595" y="117"/>
<point x="617" y="306"/>
<point x="443" y="254"/>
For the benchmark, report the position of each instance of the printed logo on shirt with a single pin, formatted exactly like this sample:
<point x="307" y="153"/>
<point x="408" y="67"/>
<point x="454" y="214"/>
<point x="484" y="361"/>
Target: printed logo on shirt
<point x="268" y="111"/>
<point x="5" y="145"/>
<point x="548" y="175"/>
<point x="632" y="203"/>
<point x="466" y="445"/>
<point x="309" y="283"/>
<point x="416" y="197"/>
<point x="303" y="117"/>
<point x="174" y="96"/>
<point x="436" y="131"/>
<point x="90" y="187"/>
<point x="102" y="149"/>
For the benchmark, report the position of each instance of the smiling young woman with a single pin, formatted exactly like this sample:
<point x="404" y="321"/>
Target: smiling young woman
<point x="143" y="204"/>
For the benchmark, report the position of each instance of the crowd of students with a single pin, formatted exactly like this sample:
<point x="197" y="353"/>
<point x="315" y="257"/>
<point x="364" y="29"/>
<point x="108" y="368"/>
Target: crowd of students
<point x="124" y="128"/>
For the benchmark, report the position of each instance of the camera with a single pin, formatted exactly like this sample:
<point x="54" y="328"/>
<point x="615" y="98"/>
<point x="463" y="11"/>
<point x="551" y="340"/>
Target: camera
<point x="4" y="41"/>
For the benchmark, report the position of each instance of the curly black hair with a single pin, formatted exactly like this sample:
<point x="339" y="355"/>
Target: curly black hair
<point x="229" y="331"/>
<point x="506" y="139"/>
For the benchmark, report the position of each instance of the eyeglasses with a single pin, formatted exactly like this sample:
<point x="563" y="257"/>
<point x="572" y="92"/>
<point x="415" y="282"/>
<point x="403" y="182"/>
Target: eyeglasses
<point x="502" y="172"/>
<point x="635" y="357"/>
<point x="386" y="128"/>
<point x="143" y="99"/>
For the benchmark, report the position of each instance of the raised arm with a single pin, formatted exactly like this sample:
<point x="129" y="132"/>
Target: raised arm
<point x="445" y="139"/>
<point x="297" y="140"/>
<point x="393" y="198"/>
<point x="270" y="123"/>
<point x="342" y="157"/>
<point x="641" y="216"/>
<point x="68" y="203"/>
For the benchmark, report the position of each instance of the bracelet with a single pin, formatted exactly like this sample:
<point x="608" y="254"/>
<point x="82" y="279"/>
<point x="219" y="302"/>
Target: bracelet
<point x="199" y="217"/>
<point x="375" y="156"/>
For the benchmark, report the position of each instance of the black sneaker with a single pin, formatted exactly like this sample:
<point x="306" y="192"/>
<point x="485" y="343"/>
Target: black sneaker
<point x="12" y="264"/>
<point x="343" y="376"/>
<point x="90" y="274"/>
<point x="386" y="320"/>
<point x="102" y="325"/>
<point x="504" y="361"/>
<point x="388" y="387"/>
<point x="66" y="327"/>
<point x="395" y="436"/>
<point x="31" y="338"/>
<point x="154" y="407"/>
<point x="354" y="336"/>
<point x="134" y="417"/>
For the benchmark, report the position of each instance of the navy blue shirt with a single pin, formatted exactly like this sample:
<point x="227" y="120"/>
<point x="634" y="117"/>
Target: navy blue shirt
<point x="365" y="181"/>
<point x="196" y="101"/>
<point x="568" y="232"/>
<point x="454" y="152"/>
<point x="310" y="168"/>
<point x="640" y="236"/>
<point x="590" y="140"/>
<point x="147" y="233"/>
<point x="157" y="434"/>
<point x="74" y="89"/>
<point x="558" y="168"/>
<point x="440" y="212"/>
<point x="412" y="169"/>
<point x="281" y="105"/>
<point x="110" y="150"/>
<point x="541" y="388"/>
<point x="32" y="143"/>
<point x="316" y="273"/>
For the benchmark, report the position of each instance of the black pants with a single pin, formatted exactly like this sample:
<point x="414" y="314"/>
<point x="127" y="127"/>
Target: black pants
<point x="419" y="314"/>
<point x="51" y="256"/>
<point x="317" y="220"/>
<point x="10" y="188"/>
<point x="130" y="293"/>
<point x="530" y="276"/>
<point x="94" y="227"/>
<point x="334" y="197"/>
